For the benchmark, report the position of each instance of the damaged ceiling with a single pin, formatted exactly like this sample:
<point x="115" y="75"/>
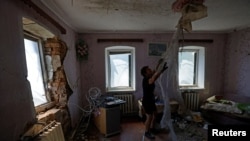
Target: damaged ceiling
<point x="91" y="16"/>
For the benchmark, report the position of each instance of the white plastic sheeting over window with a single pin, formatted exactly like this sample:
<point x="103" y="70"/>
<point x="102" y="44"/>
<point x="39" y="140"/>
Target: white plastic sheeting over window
<point x="192" y="67"/>
<point x="35" y="74"/>
<point x="119" y="69"/>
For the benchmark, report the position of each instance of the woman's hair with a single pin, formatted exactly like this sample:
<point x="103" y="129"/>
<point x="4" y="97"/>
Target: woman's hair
<point x="144" y="70"/>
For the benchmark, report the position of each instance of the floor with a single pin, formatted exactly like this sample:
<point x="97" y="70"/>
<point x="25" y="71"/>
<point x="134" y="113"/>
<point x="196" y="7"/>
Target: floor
<point x="132" y="129"/>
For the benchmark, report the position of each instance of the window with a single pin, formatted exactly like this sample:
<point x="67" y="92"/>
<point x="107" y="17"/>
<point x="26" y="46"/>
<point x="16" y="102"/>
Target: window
<point x="38" y="74"/>
<point x="191" y="67"/>
<point x="36" y="71"/>
<point x="120" y="68"/>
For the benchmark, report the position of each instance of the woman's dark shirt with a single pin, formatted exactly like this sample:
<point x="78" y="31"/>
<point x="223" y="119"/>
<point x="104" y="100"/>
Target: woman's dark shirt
<point x="148" y="100"/>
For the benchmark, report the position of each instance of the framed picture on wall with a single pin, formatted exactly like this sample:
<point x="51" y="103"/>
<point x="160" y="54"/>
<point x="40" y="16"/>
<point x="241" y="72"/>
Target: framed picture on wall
<point x="156" y="49"/>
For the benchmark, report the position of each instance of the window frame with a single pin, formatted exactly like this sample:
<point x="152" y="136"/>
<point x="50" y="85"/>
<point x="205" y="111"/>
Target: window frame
<point x="49" y="104"/>
<point x="118" y="50"/>
<point x="199" y="67"/>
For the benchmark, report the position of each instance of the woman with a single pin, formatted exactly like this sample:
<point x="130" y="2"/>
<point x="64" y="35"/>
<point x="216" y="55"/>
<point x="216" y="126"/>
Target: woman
<point x="148" y="100"/>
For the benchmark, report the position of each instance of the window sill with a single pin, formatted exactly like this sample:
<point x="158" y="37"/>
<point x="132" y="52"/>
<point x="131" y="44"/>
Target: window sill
<point x="120" y="89"/>
<point x="191" y="88"/>
<point x="49" y="115"/>
<point x="124" y="90"/>
<point x="44" y="107"/>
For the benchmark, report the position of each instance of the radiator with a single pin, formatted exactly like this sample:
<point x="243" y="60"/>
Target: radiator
<point x="53" y="132"/>
<point x="128" y="107"/>
<point x="191" y="100"/>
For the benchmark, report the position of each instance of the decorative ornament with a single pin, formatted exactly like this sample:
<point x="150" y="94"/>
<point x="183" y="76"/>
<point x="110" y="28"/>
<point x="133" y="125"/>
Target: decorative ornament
<point x="81" y="50"/>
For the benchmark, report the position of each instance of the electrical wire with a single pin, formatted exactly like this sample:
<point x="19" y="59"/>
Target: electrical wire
<point x="93" y="98"/>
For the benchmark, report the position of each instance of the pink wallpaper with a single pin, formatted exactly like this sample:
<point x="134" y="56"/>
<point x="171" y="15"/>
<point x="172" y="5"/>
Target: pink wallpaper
<point x="93" y="70"/>
<point x="237" y="63"/>
<point x="16" y="107"/>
